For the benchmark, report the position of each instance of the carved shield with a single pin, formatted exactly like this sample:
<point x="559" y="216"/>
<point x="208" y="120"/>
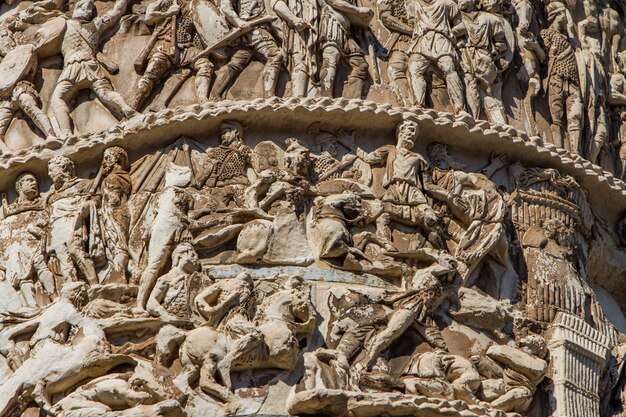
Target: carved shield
<point x="267" y="155"/>
<point x="47" y="37"/>
<point x="209" y="21"/>
<point x="15" y="67"/>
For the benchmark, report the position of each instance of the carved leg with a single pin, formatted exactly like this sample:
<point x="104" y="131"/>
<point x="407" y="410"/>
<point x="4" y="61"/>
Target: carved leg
<point x="517" y="399"/>
<point x="27" y="292"/>
<point x="157" y="66"/>
<point x="63" y="93"/>
<point x="229" y="72"/>
<point x="356" y="77"/>
<point x="274" y="58"/>
<point x="417" y="69"/>
<point x="111" y="99"/>
<point x="399" y="322"/>
<point x="574" y="113"/>
<point x="493" y="104"/>
<point x="249" y="341"/>
<point x="556" y="103"/>
<point x="208" y="384"/>
<point x="84" y="263"/>
<point x="6" y="117"/>
<point x="157" y="258"/>
<point x="473" y="95"/>
<point x="43" y="273"/>
<point x="30" y="107"/>
<point x="328" y="72"/>
<point x="397" y="71"/>
<point x="204" y="72"/>
<point x="299" y="76"/>
<point x="453" y="83"/>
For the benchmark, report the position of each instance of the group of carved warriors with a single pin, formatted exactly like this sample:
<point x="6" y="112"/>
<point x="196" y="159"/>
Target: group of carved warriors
<point x="467" y="45"/>
<point x="127" y="246"/>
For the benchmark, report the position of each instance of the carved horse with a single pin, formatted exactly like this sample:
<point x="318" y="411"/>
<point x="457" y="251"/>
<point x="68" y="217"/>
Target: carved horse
<point x="280" y="318"/>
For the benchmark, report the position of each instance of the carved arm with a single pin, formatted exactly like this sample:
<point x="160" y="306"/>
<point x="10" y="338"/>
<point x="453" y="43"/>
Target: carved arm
<point x="110" y="18"/>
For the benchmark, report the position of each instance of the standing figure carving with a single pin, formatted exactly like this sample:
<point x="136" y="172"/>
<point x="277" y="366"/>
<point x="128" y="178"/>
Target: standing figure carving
<point x="74" y="231"/>
<point x="394" y="16"/>
<point x="337" y="19"/>
<point x="174" y="43"/>
<point x="433" y="46"/>
<point x="23" y="231"/>
<point x="300" y="18"/>
<point x="165" y="227"/>
<point x="562" y="84"/>
<point x="257" y="42"/>
<point x="115" y="215"/>
<point x="481" y="56"/>
<point x="17" y="91"/>
<point x="228" y="169"/>
<point x="617" y="100"/>
<point x="82" y="67"/>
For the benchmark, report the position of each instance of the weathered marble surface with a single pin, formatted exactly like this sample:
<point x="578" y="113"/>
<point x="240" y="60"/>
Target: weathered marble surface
<point x="293" y="207"/>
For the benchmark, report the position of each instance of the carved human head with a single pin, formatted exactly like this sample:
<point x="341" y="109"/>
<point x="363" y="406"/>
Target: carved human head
<point x="76" y="293"/>
<point x="185" y="257"/>
<point x="114" y="157"/>
<point x="61" y="169"/>
<point x="557" y="17"/>
<point x="534" y="345"/>
<point x="406" y="134"/>
<point x="326" y="142"/>
<point x="84" y="10"/>
<point x="491" y="6"/>
<point x="27" y="186"/>
<point x="441" y="158"/>
<point x="467" y="5"/>
<point x="231" y="131"/>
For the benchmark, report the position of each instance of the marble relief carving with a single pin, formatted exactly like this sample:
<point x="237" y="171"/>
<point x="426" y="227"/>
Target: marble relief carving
<point x="453" y="260"/>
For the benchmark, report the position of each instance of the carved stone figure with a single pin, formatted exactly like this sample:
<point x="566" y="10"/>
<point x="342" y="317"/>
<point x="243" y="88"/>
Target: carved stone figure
<point x="227" y="170"/>
<point x="115" y="215"/>
<point x="617" y="99"/>
<point x="171" y="298"/>
<point x="481" y="55"/>
<point x="174" y="42"/>
<point x="404" y="181"/>
<point x="521" y="371"/>
<point x="82" y="67"/>
<point x="164" y="230"/>
<point x="562" y="83"/>
<point x="257" y="41"/>
<point x="337" y="18"/>
<point x="74" y="231"/>
<point x="478" y="211"/>
<point x="425" y="292"/>
<point x="593" y="76"/>
<point x="300" y="37"/>
<point x="532" y="53"/>
<point x="17" y="92"/>
<point x="395" y="18"/>
<point x="57" y="358"/>
<point x="438" y="25"/>
<point x="23" y="232"/>
<point x="234" y="336"/>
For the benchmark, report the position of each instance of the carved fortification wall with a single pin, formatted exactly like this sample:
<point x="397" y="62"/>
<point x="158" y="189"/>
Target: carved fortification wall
<point x="343" y="208"/>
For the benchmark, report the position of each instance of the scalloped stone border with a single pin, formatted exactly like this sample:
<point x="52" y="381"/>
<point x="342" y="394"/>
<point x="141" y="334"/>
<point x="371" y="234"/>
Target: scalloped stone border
<point x="607" y="192"/>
